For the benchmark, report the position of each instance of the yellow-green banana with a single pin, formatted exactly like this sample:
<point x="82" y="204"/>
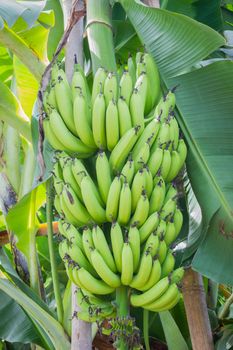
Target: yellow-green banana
<point x="117" y="242"/>
<point x="165" y="299"/>
<point x="127" y="265"/>
<point x="112" y="125"/>
<point x="157" y="196"/>
<point x="168" y="264"/>
<point x="149" y="226"/>
<point x="138" y="185"/>
<point x="104" y="271"/>
<point x="125" y="123"/>
<point x="103" y="174"/>
<point x="112" y="204"/>
<point x="122" y="149"/>
<point x="134" y="242"/>
<point x="144" y="271"/>
<point x="92" y="284"/>
<point x="155" y="160"/>
<point x="101" y="245"/>
<point x="126" y="86"/>
<point x="128" y="171"/>
<point x="125" y="204"/>
<point x="154" y="275"/>
<point x="99" y="121"/>
<point x="151" y="294"/>
<point x="92" y="200"/>
<point x="136" y="107"/>
<point x="98" y="84"/>
<point x="110" y="88"/>
<point x="141" y="211"/>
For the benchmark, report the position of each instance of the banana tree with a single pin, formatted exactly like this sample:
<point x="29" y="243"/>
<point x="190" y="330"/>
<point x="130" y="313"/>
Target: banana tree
<point x="190" y="53"/>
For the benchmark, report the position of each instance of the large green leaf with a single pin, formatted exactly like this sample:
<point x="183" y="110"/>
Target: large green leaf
<point x="176" y="42"/>
<point x="173" y="336"/>
<point x="15" y="325"/>
<point x="53" y="329"/>
<point x="12" y="112"/>
<point x="205" y="11"/>
<point x="11" y="10"/>
<point x="205" y="104"/>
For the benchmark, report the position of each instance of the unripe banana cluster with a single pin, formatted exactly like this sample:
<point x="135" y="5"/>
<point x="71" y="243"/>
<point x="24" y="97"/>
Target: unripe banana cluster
<point x="118" y="151"/>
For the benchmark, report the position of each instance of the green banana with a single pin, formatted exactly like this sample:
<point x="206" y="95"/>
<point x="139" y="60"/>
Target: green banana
<point x="128" y="171"/>
<point x="112" y="125"/>
<point x="178" y="220"/>
<point x="165" y="299"/>
<point x="138" y="185"/>
<point x="113" y="199"/>
<point x="127" y="265"/>
<point x="165" y="165"/>
<point x="69" y="178"/>
<point x="64" y="102"/>
<point x="101" y="245"/>
<point x="151" y="294"/>
<point x="182" y="150"/>
<point x="152" y="244"/>
<point x="73" y="235"/>
<point x="132" y="69"/>
<point x="91" y="200"/>
<point x="78" y="170"/>
<point x="110" y="88"/>
<point x="144" y="271"/>
<point x="168" y="264"/>
<point x="81" y="120"/>
<point x="125" y="204"/>
<point x="162" y="251"/>
<point x="61" y="229"/>
<point x="103" y="174"/>
<point x="117" y="242"/>
<point x="74" y="205"/>
<point x="177" y="275"/>
<point x="125" y="123"/>
<point x="134" y="242"/>
<point x="153" y="81"/>
<point x="149" y="226"/>
<point x="87" y="242"/>
<point x="174" y="131"/>
<point x="136" y="107"/>
<point x="149" y="134"/>
<point x="57" y="204"/>
<point x="99" y="122"/>
<point x="155" y="160"/>
<point x="72" y="143"/>
<point x="141" y="86"/>
<point x="98" y="84"/>
<point x="171" y="192"/>
<point x="77" y="255"/>
<point x="149" y="181"/>
<point x="161" y="229"/>
<point x="142" y="156"/>
<point x="154" y="275"/>
<point x="67" y="213"/>
<point x="51" y="137"/>
<point x="92" y="284"/>
<point x="163" y="137"/>
<point x="157" y="196"/>
<point x="174" y="167"/>
<point x="170" y="305"/>
<point x="168" y="209"/>
<point x="170" y="234"/>
<point x="122" y="149"/>
<point x="141" y="211"/>
<point x="103" y="270"/>
<point x="126" y="86"/>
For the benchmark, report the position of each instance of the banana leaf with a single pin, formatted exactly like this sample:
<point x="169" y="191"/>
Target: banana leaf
<point x="205" y="104"/>
<point x="176" y="41"/>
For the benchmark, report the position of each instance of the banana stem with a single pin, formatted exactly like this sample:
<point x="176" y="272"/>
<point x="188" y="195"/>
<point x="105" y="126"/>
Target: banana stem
<point x="146" y="328"/>
<point x="51" y="251"/>
<point x="122" y="301"/>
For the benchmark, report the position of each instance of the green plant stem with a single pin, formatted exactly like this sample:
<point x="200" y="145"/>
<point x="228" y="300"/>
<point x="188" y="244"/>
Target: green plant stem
<point x="122" y="301"/>
<point x="146" y="328"/>
<point x="13" y="42"/>
<point x="32" y="261"/>
<point x="226" y="306"/>
<point x="99" y="33"/>
<point x="49" y="215"/>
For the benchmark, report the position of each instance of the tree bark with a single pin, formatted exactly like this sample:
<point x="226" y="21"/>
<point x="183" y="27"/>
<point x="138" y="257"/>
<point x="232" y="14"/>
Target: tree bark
<point x="196" y="311"/>
<point x="81" y="333"/>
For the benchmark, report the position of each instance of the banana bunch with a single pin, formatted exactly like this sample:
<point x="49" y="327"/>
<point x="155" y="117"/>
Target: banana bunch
<point x="118" y="150"/>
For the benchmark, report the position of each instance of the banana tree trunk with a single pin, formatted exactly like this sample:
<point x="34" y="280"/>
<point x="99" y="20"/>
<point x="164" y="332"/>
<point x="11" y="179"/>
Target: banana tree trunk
<point x="196" y="311"/>
<point x="81" y="332"/>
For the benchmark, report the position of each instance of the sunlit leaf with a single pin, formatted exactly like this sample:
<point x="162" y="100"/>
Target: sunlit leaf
<point x="22" y="220"/>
